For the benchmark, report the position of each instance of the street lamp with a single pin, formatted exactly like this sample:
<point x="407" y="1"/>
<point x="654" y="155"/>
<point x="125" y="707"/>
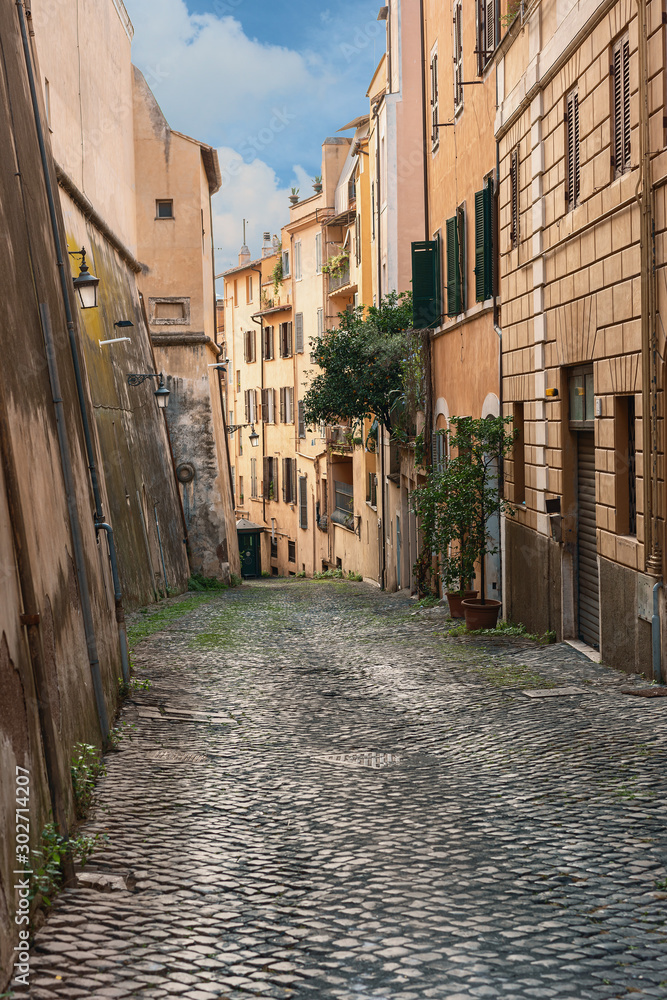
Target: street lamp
<point x="254" y="436"/>
<point x="85" y="283"/>
<point x="161" y="393"/>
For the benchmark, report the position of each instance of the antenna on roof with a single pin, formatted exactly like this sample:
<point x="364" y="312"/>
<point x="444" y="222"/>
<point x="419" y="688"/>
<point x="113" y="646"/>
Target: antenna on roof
<point x="244" y="225"/>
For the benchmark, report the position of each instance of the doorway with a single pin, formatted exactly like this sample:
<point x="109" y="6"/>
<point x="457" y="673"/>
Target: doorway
<point x="588" y="582"/>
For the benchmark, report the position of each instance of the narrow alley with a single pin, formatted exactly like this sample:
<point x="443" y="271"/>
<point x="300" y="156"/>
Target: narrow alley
<point x="326" y="795"/>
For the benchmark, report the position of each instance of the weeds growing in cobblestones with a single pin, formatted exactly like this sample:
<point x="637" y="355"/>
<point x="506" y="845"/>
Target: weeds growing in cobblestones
<point x="86" y="768"/>
<point x="514" y="675"/>
<point x="126" y="688"/>
<point x="337" y="574"/>
<point x="121" y="731"/>
<point x="504" y="629"/>
<point x="158" y="620"/>
<point x="50" y="856"/>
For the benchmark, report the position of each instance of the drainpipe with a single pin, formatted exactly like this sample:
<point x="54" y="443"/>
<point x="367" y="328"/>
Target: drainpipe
<point x="655" y="635"/>
<point x="64" y="285"/>
<point x="159" y="541"/>
<point x="644" y="196"/>
<point x="261" y="381"/>
<point x="378" y="244"/>
<point x="424" y="123"/>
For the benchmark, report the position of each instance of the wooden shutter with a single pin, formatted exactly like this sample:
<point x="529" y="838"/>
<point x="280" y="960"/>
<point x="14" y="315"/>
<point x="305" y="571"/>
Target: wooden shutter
<point x="461" y="233"/>
<point x="298" y="320"/>
<point x="293" y="481"/>
<point x="621" y="111"/>
<point x="435" y="134"/>
<point x="246" y="399"/>
<point x="458" y="57"/>
<point x="266" y="477"/>
<point x="302" y="419"/>
<point x="282" y="406"/>
<point x="426" y="295"/>
<point x="490" y="39"/>
<point x="572" y="149"/>
<point x="514" y="196"/>
<point x="453" y="299"/>
<point x="265" y="406"/>
<point x="303" y="502"/>
<point x="286" y="479"/>
<point x="480" y="246"/>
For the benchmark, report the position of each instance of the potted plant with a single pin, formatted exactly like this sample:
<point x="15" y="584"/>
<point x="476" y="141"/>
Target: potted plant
<point x="317" y="184"/>
<point x="480" y="445"/>
<point x="294" y="196"/>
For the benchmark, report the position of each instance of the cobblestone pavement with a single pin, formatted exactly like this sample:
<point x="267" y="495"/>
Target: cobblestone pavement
<point x="327" y="798"/>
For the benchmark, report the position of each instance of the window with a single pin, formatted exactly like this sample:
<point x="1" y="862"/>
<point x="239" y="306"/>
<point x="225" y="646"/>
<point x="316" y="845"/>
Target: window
<point x="352" y="190"/>
<point x="267" y="343"/>
<point x="621" y="105"/>
<point x="270" y="483"/>
<point x="320" y="322"/>
<point x="291" y="552"/>
<point x="373" y="212"/>
<point x="426" y="288"/>
<point x="514" y="197"/>
<point x="248" y="288"/>
<point x="582" y="399"/>
<point x="241" y="494"/>
<point x="456" y="263"/>
<point x="236" y="293"/>
<point x="285" y="340"/>
<point x="439" y="449"/>
<point x="372" y="490"/>
<point x="303" y="502"/>
<point x="318" y="253"/>
<point x="298" y="333"/>
<point x="572" y="148"/>
<point x="287" y="405"/>
<point x="233" y="479"/>
<point x="274" y="548"/>
<point x="519" y="455"/>
<point x="250" y="399"/>
<point x="268" y="406"/>
<point x="302" y="419"/>
<point x="486" y="32"/>
<point x="458" y="57"/>
<point x="253" y="478"/>
<point x="285" y="263"/>
<point x="357" y="239"/>
<point x="289" y="480"/>
<point x="484" y="242"/>
<point x="164" y="208"/>
<point x="435" y="132"/>
<point x="238" y="383"/>
<point x="343" y="504"/>
<point x="625" y="458"/>
<point x="297" y="260"/>
<point x="249" y="352"/>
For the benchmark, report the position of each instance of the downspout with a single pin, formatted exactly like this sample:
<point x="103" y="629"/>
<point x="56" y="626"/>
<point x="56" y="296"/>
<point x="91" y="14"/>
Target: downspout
<point x="64" y="285"/>
<point x="424" y="122"/>
<point x="644" y="198"/>
<point x="495" y="249"/>
<point x="655" y="635"/>
<point x="379" y="299"/>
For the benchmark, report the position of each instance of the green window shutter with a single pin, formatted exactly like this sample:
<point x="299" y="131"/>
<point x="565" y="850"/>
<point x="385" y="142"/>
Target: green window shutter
<point x="453" y="283"/>
<point x="461" y="227"/>
<point x="480" y="245"/>
<point x="426" y="298"/>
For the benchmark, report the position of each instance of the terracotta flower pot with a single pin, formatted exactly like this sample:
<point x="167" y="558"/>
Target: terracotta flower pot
<point x="454" y="601"/>
<point x="480" y="615"/>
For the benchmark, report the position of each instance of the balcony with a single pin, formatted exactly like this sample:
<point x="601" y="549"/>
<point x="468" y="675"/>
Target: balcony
<point x="339" y="437"/>
<point x="340" y="279"/>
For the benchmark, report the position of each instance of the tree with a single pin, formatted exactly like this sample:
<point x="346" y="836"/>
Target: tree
<point x="362" y="363"/>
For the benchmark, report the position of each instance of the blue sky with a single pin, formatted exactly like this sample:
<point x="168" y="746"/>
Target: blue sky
<point x="264" y="83"/>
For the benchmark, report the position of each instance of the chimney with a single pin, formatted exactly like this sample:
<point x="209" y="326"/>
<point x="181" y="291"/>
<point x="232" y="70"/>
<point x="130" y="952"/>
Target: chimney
<point x="244" y="255"/>
<point x="267" y="245"/>
<point x="276" y="243"/>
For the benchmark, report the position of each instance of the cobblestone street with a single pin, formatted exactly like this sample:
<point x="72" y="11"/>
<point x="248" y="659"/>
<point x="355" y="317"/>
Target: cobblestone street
<point x="327" y="797"/>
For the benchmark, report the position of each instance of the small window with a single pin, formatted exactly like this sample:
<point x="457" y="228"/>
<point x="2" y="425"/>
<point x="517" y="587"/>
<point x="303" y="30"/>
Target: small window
<point x="269" y="406"/>
<point x="286" y="270"/>
<point x="298" y="333"/>
<point x="236" y="293"/>
<point x="164" y="208"/>
<point x="456" y="263"/>
<point x="572" y="148"/>
<point x="250" y="399"/>
<point x="302" y="419"/>
<point x="238" y="383"/>
<point x="253" y="478"/>
<point x="249" y="351"/>
<point x="287" y="405"/>
<point x="484" y="248"/>
<point x="625" y="458"/>
<point x="318" y="253"/>
<point x="274" y="548"/>
<point x="303" y="502"/>
<point x="519" y="455"/>
<point x="582" y="399"/>
<point x="343" y="504"/>
<point x="514" y="197"/>
<point x="621" y="105"/>
<point x="289" y="480"/>
<point x="297" y="260"/>
<point x="291" y="552"/>
<point x="435" y="132"/>
<point x="267" y="343"/>
<point x="270" y="483"/>
<point x="486" y="32"/>
<point x="320" y="322"/>
<point x="248" y="288"/>
<point x="372" y="490"/>
<point x="241" y="494"/>
<point x="458" y="57"/>
<point x="285" y="340"/>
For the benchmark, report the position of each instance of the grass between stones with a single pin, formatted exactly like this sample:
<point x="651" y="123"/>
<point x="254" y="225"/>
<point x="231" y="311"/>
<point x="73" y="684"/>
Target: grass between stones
<point x="513" y="675"/>
<point x="156" y="621"/>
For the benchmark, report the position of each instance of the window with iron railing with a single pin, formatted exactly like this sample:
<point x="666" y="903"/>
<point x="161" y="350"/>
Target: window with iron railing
<point x="343" y="504"/>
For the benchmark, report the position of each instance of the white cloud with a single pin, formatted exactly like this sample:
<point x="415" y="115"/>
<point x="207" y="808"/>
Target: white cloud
<point x="249" y="191"/>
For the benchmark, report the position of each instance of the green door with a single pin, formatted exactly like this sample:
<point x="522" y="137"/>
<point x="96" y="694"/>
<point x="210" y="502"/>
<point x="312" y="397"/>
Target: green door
<point x="250" y="556"/>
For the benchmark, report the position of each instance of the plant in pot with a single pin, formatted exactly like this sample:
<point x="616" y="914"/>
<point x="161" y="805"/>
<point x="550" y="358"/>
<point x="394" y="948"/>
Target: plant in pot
<point x="480" y="446"/>
<point x="317" y="184"/>
<point x="294" y="196"/>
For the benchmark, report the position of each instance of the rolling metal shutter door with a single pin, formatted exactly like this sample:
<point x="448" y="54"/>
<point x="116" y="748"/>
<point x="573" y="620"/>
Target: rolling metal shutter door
<point x="589" y="600"/>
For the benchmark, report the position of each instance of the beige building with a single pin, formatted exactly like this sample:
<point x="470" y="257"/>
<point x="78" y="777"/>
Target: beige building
<point x="580" y="129"/>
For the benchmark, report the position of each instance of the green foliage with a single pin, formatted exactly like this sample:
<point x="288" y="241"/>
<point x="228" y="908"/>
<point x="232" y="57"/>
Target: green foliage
<point x="337" y="574"/>
<point x="135" y="684"/>
<point x="505" y="629"/>
<point x="122" y="730"/>
<point x="85" y="769"/>
<point x="235" y="580"/>
<point x="458" y="499"/>
<point x="335" y="266"/>
<point x="361" y="364"/>
<point x="156" y="621"/>
<point x="277" y="273"/>
<point x="49" y="858"/>
<point x="200" y="583"/>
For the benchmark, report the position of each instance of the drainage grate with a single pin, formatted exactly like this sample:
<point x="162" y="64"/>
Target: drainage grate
<point x="362" y="758"/>
<point x="176" y="757"/>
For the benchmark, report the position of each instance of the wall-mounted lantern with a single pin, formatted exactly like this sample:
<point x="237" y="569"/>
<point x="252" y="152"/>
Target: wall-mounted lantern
<point x="85" y="283"/>
<point x="161" y="393"/>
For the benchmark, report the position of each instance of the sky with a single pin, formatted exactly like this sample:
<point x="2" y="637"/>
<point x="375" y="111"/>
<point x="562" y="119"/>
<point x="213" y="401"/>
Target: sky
<point x="264" y="83"/>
